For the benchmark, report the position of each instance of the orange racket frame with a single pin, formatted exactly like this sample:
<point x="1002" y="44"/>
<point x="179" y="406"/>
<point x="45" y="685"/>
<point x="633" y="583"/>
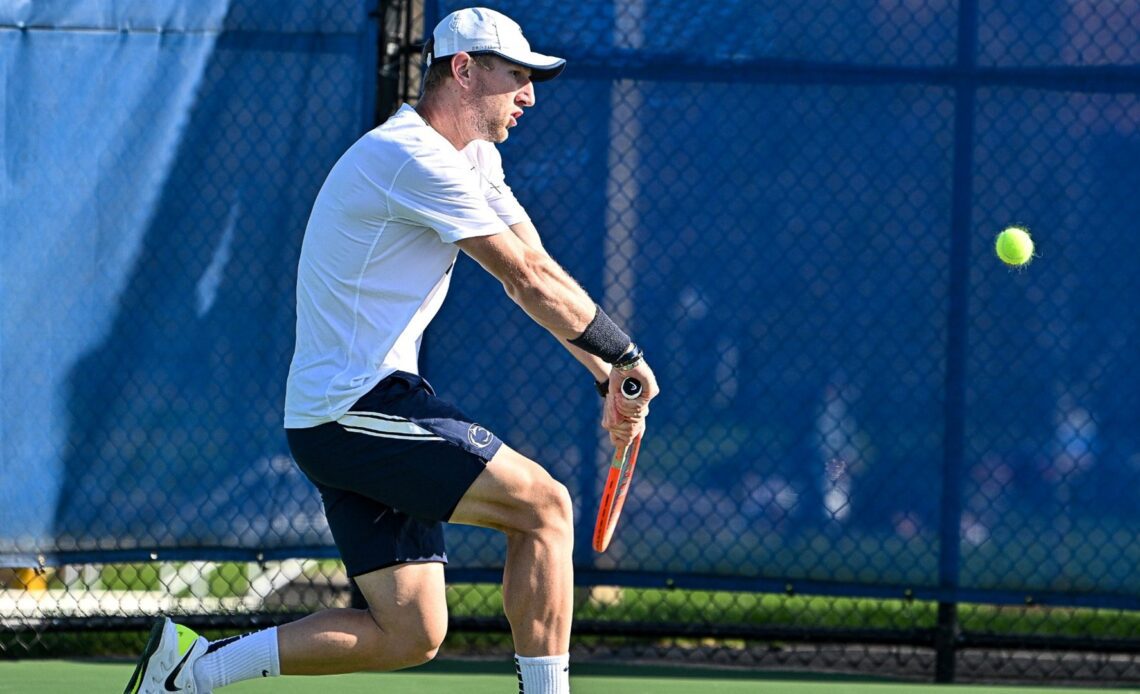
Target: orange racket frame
<point x="613" y="497"/>
<point x="617" y="480"/>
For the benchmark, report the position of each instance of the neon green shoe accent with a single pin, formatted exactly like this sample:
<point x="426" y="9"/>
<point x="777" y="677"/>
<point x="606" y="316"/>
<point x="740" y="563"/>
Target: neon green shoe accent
<point x="186" y="638"/>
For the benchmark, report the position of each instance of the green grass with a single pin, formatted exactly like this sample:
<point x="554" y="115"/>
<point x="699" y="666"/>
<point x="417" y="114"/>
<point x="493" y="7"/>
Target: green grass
<point x="806" y="611"/>
<point x="51" y="677"/>
<point x="625" y="605"/>
<point x="126" y="577"/>
<point x="229" y="579"/>
<point x="226" y="579"/>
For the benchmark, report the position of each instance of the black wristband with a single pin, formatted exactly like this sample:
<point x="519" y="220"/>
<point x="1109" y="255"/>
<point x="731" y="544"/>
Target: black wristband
<point x="602" y="338"/>
<point x="603" y="388"/>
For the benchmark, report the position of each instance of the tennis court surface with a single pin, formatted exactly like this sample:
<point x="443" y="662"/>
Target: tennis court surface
<point x="54" y="676"/>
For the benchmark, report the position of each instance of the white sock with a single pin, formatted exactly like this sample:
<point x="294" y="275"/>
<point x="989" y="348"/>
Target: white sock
<point x="548" y="674"/>
<point x="238" y="658"/>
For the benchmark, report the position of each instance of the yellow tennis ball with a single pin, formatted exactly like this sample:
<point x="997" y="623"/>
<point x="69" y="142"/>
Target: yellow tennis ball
<point x="1014" y="246"/>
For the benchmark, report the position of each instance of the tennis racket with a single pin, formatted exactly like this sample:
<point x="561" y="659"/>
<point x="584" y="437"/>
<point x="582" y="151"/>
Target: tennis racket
<point x="617" y="480"/>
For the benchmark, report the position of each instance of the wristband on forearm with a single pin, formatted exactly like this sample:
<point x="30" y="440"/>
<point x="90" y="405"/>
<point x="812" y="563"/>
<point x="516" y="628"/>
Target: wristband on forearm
<point x="602" y="338"/>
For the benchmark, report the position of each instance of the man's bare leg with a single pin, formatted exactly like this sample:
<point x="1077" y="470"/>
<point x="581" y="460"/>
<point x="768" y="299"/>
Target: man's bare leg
<point x="404" y="625"/>
<point x="518" y="497"/>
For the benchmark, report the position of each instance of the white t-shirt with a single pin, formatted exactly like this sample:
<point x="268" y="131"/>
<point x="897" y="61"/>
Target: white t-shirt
<point x="377" y="256"/>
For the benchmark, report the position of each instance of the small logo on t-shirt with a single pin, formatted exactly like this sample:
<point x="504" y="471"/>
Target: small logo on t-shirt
<point x="478" y="436"/>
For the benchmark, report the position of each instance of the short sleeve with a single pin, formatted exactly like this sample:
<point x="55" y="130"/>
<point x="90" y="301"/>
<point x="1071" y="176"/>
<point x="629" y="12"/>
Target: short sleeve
<point x="485" y="157"/>
<point x="442" y="193"/>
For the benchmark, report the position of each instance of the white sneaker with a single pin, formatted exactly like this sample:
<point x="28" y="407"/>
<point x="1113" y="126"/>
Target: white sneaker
<point x="167" y="663"/>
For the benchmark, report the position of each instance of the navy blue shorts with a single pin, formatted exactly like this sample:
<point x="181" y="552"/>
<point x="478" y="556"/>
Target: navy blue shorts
<point x="392" y="470"/>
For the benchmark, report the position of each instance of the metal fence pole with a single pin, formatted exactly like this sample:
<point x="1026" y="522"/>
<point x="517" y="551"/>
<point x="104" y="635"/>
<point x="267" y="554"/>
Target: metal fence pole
<point x="958" y="323"/>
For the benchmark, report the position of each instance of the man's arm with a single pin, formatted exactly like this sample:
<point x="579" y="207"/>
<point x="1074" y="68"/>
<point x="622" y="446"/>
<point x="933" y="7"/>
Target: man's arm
<point x="555" y="301"/>
<point x="547" y="293"/>
<point x="528" y="233"/>
<point x="534" y="281"/>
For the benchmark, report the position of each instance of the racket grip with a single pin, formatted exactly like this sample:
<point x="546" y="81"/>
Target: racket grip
<point x="631" y="388"/>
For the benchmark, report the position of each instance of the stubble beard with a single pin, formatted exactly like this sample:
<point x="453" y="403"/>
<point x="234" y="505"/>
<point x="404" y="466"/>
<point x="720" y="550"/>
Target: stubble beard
<point x="491" y="129"/>
<point x="484" y="122"/>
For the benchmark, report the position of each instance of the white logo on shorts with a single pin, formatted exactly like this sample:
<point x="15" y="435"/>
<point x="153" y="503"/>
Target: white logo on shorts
<point x="478" y="436"/>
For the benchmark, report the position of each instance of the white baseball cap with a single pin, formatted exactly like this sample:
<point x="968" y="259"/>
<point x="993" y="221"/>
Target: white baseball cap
<point x="479" y="30"/>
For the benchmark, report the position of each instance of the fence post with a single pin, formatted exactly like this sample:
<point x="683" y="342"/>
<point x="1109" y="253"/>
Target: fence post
<point x="949" y="564"/>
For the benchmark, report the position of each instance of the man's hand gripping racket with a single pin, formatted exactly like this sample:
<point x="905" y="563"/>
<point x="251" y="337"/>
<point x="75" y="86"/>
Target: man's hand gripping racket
<point x="617" y="479"/>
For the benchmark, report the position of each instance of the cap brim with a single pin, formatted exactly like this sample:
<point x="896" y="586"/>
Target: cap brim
<point x="542" y="67"/>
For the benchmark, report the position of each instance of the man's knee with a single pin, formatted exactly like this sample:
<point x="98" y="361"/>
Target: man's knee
<point x="562" y="506"/>
<point x="517" y="496"/>
<point x="408" y="606"/>
<point x="420" y="647"/>
<point x="412" y="641"/>
<point x="553" y="510"/>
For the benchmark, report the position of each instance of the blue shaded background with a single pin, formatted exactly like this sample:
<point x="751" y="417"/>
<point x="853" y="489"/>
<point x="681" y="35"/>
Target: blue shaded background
<point x="791" y="206"/>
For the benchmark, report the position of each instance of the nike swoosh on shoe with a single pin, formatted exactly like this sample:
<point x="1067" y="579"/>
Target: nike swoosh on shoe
<point x="170" y="686"/>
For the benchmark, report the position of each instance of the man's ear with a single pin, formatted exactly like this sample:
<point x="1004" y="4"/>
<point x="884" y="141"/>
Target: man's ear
<point x="461" y="65"/>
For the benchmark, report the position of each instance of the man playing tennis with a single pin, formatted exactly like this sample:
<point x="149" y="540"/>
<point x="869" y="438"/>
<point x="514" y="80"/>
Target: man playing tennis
<point x="392" y="461"/>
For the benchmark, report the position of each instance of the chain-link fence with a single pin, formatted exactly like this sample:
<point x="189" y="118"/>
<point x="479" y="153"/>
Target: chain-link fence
<point x="877" y="448"/>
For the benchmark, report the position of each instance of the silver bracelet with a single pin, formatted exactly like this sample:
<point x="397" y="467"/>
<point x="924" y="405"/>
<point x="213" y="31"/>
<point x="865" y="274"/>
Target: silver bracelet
<point x="630" y="359"/>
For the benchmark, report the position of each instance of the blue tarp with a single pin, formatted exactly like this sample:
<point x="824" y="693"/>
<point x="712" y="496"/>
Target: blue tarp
<point x="159" y="162"/>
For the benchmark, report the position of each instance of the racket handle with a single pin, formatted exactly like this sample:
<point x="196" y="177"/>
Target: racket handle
<point x="631" y="388"/>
